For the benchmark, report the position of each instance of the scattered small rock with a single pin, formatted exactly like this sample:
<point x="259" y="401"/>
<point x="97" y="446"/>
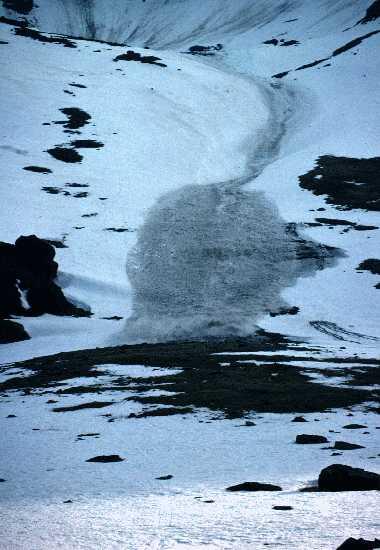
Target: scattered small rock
<point x="253" y="486"/>
<point x="354" y="426"/>
<point x="65" y="154"/>
<point x="305" y="439"/>
<point x="105" y="458"/>
<point x="282" y="507"/>
<point x="299" y="419"/>
<point x="165" y="478"/>
<point x="38" y="169"/>
<point x="91" y="405"/>
<point x="344" y="446"/>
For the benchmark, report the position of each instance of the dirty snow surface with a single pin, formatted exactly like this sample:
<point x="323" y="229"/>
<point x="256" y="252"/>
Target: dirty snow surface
<point x="208" y="172"/>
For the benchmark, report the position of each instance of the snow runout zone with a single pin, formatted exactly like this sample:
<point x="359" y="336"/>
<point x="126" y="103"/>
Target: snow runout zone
<point x="223" y="226"/>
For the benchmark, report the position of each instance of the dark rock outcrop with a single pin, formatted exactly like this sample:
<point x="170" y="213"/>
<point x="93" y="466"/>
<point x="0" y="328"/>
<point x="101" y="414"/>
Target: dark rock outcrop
<point x="339" y="477"/>
<point x="12" y="332"/>
<point x="27" y="280"/>
<point x="346" y="182"/>
<point x="359" y="544"/>
<point x="19" y="6"/>
<point x="372" y="13"/>
<point x="134" y="56"/>
<point x="253" y="486"/>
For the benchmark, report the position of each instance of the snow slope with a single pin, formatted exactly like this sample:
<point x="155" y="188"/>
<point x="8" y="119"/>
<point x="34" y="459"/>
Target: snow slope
<point x="201" y="155"/>
<point x="218" y="119"/>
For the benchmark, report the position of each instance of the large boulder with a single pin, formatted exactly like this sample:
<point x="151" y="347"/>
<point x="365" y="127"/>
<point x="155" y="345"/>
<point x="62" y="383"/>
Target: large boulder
<point x="12" y="332"/>
<point x="27" y="280"/>
<point x="253" y="486"/>
<point x="339" y="477"/>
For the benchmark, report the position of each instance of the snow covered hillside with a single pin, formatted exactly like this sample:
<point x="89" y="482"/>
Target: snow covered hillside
<point x="197" y="314"/>
<point x="213" y="116"/>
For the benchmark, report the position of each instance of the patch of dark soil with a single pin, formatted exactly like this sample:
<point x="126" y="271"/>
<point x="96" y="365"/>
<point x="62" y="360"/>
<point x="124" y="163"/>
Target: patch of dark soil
<point x="12" y="332"/>
<point x="285" y="311"/>
<point x="281" y="75"/>
<point x="253" y="486"/>
<point x="312" y="64"/>
<point x="372" y="13"/>
<point x="347" y="182"/>
<point x="29" y="265"/>
<point x="372" y="265"/>
<point x="87" y="144"/>
<point x="272" y="42"/>
<point x="106" y="458"/>
<point x="55" y="191"/>
<point x="339" y="477"/>
<point x="334" y="222"/>
<point x="97" y="41"/>
<point x="353" y="43"/>
<point x="204" y="50"/>
<point x="77" y="85"/>
<point x="37" y="169"/>
<point x="81" y="195"/>
<point x="81" y="406"/>
<point x="47" y="39"/>
<point x="289" y="43"/>
<point x="164" y="411"/>
<point x="77" y="118"/>
<point x="65" y="154"/>
<point x="134" y="56"/>
<point x="202" y="382"/>
<point x="359" y="544"/>
<point x="20" y="6"/>
<point x="117" y="229"/>
<point x="22" y="23"/>
<point x="76" y="185"/>
<point x="113" y="318"/>
<point x="305" y="439"/>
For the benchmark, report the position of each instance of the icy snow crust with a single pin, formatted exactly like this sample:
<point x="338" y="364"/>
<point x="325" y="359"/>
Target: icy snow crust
<point x="199" y="135"/>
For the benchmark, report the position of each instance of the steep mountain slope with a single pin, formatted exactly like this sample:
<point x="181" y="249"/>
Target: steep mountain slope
<point x="221" y="187"/>
<point x="231" y="120"/>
